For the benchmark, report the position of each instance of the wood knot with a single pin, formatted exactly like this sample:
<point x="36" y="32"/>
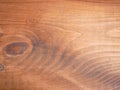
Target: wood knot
<point x="16" y="48"/>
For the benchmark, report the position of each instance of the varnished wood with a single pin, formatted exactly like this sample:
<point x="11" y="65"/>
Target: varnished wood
<point x="59" y="45"/>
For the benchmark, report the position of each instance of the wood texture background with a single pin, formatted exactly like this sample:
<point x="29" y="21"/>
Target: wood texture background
<point x="59" y="44"/>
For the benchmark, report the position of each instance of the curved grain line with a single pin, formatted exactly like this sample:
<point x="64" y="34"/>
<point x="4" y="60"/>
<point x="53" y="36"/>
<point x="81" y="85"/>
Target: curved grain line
<point x="95" y="59"/>
<point x="63" y="57"/>
<point x="96" y="54"/>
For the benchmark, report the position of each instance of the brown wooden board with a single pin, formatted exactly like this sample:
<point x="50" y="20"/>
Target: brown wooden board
<point x="59" y="44"/>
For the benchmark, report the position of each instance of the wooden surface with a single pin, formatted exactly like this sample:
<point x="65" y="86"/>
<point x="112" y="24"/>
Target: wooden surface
<point x="59" y="44"/>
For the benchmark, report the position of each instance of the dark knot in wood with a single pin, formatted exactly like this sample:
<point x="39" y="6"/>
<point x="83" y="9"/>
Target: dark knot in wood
<point x="16" y="48"/>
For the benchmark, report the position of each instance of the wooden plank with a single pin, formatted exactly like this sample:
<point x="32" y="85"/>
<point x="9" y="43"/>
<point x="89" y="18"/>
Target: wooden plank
<point x="59" y="44"/>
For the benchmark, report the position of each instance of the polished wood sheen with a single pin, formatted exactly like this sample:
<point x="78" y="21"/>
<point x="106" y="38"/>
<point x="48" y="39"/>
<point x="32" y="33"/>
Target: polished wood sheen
<point x="59" y="44"/>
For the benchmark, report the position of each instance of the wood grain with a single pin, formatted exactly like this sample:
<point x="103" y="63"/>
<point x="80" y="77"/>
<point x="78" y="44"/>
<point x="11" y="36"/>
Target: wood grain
<point x="59" y="45"/>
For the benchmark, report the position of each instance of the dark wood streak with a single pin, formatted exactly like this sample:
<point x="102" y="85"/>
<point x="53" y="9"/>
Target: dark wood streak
<point x="63" y="56"/>
<point x="69" y="60"/>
